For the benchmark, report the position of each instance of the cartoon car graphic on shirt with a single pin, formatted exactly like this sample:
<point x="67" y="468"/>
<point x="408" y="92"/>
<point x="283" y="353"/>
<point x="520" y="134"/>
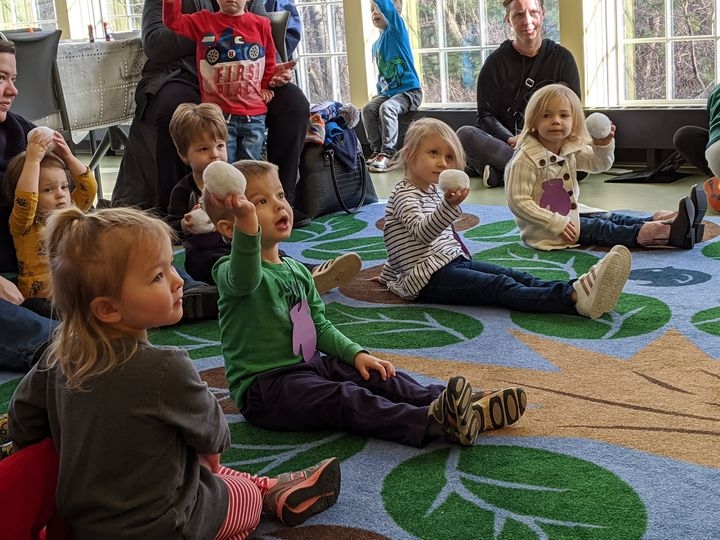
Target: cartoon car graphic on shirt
<point x="230" y="48"/>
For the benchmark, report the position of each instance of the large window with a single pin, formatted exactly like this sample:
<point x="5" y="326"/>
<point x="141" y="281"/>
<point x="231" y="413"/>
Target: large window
<point x="322" y="70"/>
<point x="452" y="38"/>
<point x="19" y="14"/>
<point x="636" y="52"/>
<point x="668" y="49"/>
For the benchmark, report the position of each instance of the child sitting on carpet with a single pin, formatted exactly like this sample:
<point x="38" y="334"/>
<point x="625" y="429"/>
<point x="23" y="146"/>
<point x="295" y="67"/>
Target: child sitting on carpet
<point x="428" y="261"/>
<point x="139" y="434"/>
<point x="542" y="189"/>
<point x="273" y="330"/>
<point x="199" y="133"/>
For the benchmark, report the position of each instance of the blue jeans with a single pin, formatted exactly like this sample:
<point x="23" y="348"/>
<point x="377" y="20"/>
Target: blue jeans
<point x="246" y="137"/>
<point x="477" y="283"/>
<point x="610" y="229"/>
<point x="23" y="333"/>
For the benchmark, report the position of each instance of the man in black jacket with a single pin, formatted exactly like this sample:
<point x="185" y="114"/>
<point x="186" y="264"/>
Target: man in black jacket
<point x="507" y="79"/>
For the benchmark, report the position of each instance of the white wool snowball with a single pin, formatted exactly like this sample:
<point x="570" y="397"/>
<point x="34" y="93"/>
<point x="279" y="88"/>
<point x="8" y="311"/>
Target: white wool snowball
<point x="221" y="179"/>
<point x="200" y="222"/>
<point x="453" y="179"/>
<point x="598" y="125"/>
<point x="45" y="132"/>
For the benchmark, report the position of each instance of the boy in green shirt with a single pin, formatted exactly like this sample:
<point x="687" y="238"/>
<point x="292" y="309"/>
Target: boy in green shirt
<point x="273" y="330"/>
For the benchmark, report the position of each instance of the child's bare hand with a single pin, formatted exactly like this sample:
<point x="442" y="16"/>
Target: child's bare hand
<point x="266" y="95"/>
<point x="35" y="151"/>
<point x="569" y="233"/>
<point x="61" y="146"/>
<point x="606" y="140"/>
<point x="365" y="363"/>
<point x="457" y="196"/>
<point x="38" y="145"/>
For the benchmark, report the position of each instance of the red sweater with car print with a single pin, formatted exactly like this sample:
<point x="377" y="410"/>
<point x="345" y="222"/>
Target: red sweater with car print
<point x="235" y="56"/>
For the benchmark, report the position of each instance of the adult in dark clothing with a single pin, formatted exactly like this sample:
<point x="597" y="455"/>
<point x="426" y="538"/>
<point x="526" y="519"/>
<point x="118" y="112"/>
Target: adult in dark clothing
<point x="23" y="331"/>
<point x="151" y="167"/>
<point x="503" y="88"/>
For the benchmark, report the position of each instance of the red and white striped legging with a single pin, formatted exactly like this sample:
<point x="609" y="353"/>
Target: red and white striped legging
<point x="245" y="495"/>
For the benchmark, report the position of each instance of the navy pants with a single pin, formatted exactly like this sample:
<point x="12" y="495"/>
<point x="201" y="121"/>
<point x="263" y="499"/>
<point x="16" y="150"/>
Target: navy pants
<point x="610" y="229"/>
<point x="476" y="283"/>
<point x="326" y="393"/>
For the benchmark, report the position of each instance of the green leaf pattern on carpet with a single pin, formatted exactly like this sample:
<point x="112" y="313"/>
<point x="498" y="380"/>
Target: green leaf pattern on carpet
<point x="483" y="493"/>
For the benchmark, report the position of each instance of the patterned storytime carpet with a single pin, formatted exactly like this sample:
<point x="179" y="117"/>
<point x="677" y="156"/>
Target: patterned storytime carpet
<point x="621" y="436"/>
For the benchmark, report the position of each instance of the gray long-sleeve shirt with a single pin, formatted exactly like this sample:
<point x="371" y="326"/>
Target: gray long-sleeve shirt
<point x="128" y="446"/>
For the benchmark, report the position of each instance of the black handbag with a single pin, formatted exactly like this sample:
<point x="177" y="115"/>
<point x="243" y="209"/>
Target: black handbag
<point x="328" y="185"/>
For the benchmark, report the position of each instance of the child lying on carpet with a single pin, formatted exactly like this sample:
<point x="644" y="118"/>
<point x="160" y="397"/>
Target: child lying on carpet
<point x="427" y="260"/>
<point x="543" y="192"/>
<point x="200" y="134"/>
<point x="273" y="330"/>
<point x="139" y="433"/>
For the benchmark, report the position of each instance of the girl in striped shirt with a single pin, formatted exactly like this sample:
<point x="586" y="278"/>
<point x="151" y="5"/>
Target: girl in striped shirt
<point x="428" y="261"/>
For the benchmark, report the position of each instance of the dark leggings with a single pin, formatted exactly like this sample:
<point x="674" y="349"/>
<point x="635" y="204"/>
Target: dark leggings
<point x="690" y="142"/>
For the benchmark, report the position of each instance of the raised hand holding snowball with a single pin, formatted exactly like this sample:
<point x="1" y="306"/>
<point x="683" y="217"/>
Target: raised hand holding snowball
<point x="43" y="135"/>
<point x="222" y="179"/>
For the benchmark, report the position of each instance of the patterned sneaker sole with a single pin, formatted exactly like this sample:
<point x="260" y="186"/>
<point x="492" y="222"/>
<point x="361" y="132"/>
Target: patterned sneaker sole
<point x="317" y="493"/>
<point x="458" y="398"/>
<point x="338" y="272"/>
<point x="501" y="408"/>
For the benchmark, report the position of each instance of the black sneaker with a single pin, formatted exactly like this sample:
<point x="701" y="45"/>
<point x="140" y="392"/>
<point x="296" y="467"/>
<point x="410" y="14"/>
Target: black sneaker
<point x="200" y="302"/>
<point x="700" y="202"/>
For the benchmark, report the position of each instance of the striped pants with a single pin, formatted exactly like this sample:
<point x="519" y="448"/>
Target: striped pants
<point x="245" y="496"/>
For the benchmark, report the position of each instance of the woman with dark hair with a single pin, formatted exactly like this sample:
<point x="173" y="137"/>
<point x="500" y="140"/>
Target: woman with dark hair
<point x="24" y="333"/>
<point x="151" y="167"/>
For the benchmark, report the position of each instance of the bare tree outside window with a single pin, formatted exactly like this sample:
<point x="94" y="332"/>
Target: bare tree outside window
<point x="322" y="70"/>
<point x="454" y="37"/>
<point x="19" y="14"/>
<point x="669" y="49"/>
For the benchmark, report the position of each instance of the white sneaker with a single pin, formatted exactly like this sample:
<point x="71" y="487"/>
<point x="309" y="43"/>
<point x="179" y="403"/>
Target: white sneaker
<point x="336" y="272"/>
<point x="599" y="289"/>
<point x="381" y="163"/>
<point x="369" y="161"/>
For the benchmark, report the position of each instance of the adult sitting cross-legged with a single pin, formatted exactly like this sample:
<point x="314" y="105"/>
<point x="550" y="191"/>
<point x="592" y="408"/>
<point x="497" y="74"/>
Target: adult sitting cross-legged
<point x="507" y="79"/>
<point x="151" y="167"/>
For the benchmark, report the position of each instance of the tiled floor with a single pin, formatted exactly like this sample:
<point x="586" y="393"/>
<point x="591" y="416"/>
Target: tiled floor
<point x="595" y="192"/>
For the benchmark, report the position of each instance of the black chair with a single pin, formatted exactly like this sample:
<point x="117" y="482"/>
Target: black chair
<point x="279" y="21"/>
<point x="38" y="81"/>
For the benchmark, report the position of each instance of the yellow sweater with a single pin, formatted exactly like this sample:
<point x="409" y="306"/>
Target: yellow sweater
<point x="27" y="231"/>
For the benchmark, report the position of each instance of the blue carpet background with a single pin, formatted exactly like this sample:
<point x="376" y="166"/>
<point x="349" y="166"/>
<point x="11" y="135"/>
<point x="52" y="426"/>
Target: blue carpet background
<point x="620" y="439"/>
